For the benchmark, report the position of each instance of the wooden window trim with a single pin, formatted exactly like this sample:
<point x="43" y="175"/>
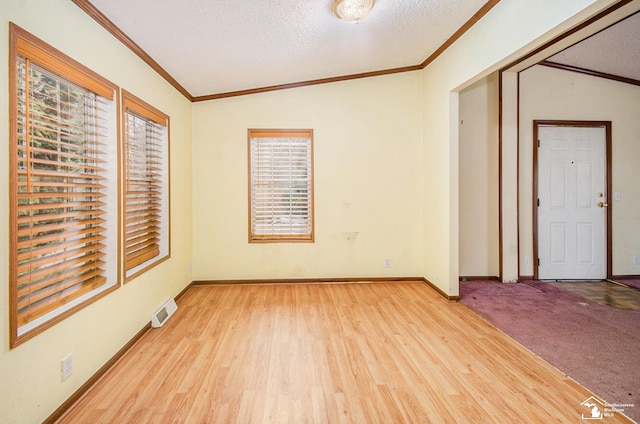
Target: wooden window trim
<point x="49" y="57"/>
<point x="150" y="257"/>
<point x="281" y="238"/>
<point x="33" y="50"/>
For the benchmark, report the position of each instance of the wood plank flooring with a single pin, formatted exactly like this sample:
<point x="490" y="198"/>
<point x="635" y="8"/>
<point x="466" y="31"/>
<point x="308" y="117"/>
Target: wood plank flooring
<point x="605" y="293"/>
<point x="329" y="353"/>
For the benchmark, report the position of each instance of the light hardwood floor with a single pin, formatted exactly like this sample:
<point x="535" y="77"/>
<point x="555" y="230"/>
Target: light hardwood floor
<point x="329" y="353"/>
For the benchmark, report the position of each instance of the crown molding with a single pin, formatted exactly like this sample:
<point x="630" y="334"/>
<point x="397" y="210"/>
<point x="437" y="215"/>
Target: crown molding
<point x="589" y="72"/>
<point x="101" y="19"/>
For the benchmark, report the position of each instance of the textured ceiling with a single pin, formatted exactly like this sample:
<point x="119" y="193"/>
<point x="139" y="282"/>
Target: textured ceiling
<point x="615" y="50"/>
<point x="219" y="46"/>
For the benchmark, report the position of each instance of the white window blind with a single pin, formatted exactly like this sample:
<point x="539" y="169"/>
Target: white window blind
<point x="281" y="185"/>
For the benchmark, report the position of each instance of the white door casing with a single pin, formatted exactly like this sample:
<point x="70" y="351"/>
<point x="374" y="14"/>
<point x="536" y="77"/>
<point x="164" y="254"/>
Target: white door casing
<point x="572" y="202"/>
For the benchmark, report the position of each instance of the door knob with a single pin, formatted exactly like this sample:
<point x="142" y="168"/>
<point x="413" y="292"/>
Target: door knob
<point x="602" y="204"/>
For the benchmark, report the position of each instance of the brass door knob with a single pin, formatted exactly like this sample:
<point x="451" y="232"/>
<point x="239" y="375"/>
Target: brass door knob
<point x="602" y="204"/>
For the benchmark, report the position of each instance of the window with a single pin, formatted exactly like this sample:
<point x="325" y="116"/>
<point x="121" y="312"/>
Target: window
<point x="63" y="186"/>
<point x="146" y="191"/>
<point x="280" y="185"/>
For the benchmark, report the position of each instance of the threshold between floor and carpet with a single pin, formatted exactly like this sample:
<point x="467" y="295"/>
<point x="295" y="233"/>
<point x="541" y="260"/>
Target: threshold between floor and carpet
<point x="595" y="345"/>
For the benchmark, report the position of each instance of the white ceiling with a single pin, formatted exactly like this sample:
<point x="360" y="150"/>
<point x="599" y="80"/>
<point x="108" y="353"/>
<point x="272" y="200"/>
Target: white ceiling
<point x="214" y="47"/>
<point x="615" y="50"/>
<point x="219" y="46"/>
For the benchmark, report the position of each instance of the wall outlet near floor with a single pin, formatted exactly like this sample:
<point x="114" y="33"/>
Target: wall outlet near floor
<point x="387" y="263"/>
<point x="636" y="260"/>
<point x="67" y="366"/>
<point x="527" y="260"/>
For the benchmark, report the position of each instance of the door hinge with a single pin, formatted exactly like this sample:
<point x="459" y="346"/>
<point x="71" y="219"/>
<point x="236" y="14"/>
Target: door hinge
<point x="538" y="201"/>
<point x="538" y="261"/>
<point x="538" y="143"/>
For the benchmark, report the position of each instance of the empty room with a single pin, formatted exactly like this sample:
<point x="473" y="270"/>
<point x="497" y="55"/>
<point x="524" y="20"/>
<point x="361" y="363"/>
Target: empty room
<point x="318" y="211"/>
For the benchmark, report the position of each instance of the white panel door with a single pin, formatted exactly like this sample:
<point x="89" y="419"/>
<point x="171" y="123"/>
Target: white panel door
<point x="572" y="203"/>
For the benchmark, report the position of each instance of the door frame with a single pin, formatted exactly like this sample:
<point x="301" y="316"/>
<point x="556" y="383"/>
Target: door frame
<point x="608" y="187"/>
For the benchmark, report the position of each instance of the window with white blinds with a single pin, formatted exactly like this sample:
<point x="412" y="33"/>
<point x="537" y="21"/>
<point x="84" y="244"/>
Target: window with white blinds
<point x="63" y="139"/>
<point x="281" y="185"/>
<point x="146" y="185"/>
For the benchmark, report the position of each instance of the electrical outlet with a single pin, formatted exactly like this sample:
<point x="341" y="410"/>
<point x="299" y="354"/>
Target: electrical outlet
<point x="67" y="366"/>
<point x="387" y="263"/>
<point x="527" y="260"/>
<point x="636" y="260"/>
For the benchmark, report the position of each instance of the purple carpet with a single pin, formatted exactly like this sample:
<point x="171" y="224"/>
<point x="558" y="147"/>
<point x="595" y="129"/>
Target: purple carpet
<point x="596" y="345"/>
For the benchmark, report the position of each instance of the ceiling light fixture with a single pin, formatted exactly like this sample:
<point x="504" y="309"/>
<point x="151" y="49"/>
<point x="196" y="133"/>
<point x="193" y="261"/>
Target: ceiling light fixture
<point x="352" y="11"/>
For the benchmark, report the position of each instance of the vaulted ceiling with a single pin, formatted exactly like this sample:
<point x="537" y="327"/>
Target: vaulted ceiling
<point x="614" y="51"/>
<point x="219" y="46"/>
<point x="215" y="48"/>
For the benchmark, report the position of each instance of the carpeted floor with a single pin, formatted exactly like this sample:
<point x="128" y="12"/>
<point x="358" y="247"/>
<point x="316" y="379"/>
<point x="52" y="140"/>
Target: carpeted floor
<point x="596" y="345"/>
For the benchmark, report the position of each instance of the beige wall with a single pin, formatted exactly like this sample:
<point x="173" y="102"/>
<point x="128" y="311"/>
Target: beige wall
<point x="547" y="93"/>
<point x="478" y="168"/>
<point x="368" y="181"/>
<point x="30" y="383"/>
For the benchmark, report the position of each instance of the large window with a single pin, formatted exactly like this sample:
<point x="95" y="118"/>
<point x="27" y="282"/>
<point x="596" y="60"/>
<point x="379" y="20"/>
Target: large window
<point x="146" y="205"/>
<point x="63" y="186"/>
<point x="281" y="185"/>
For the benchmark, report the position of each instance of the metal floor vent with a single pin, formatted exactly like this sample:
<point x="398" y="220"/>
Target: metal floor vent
<point x="163" y="313"/>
